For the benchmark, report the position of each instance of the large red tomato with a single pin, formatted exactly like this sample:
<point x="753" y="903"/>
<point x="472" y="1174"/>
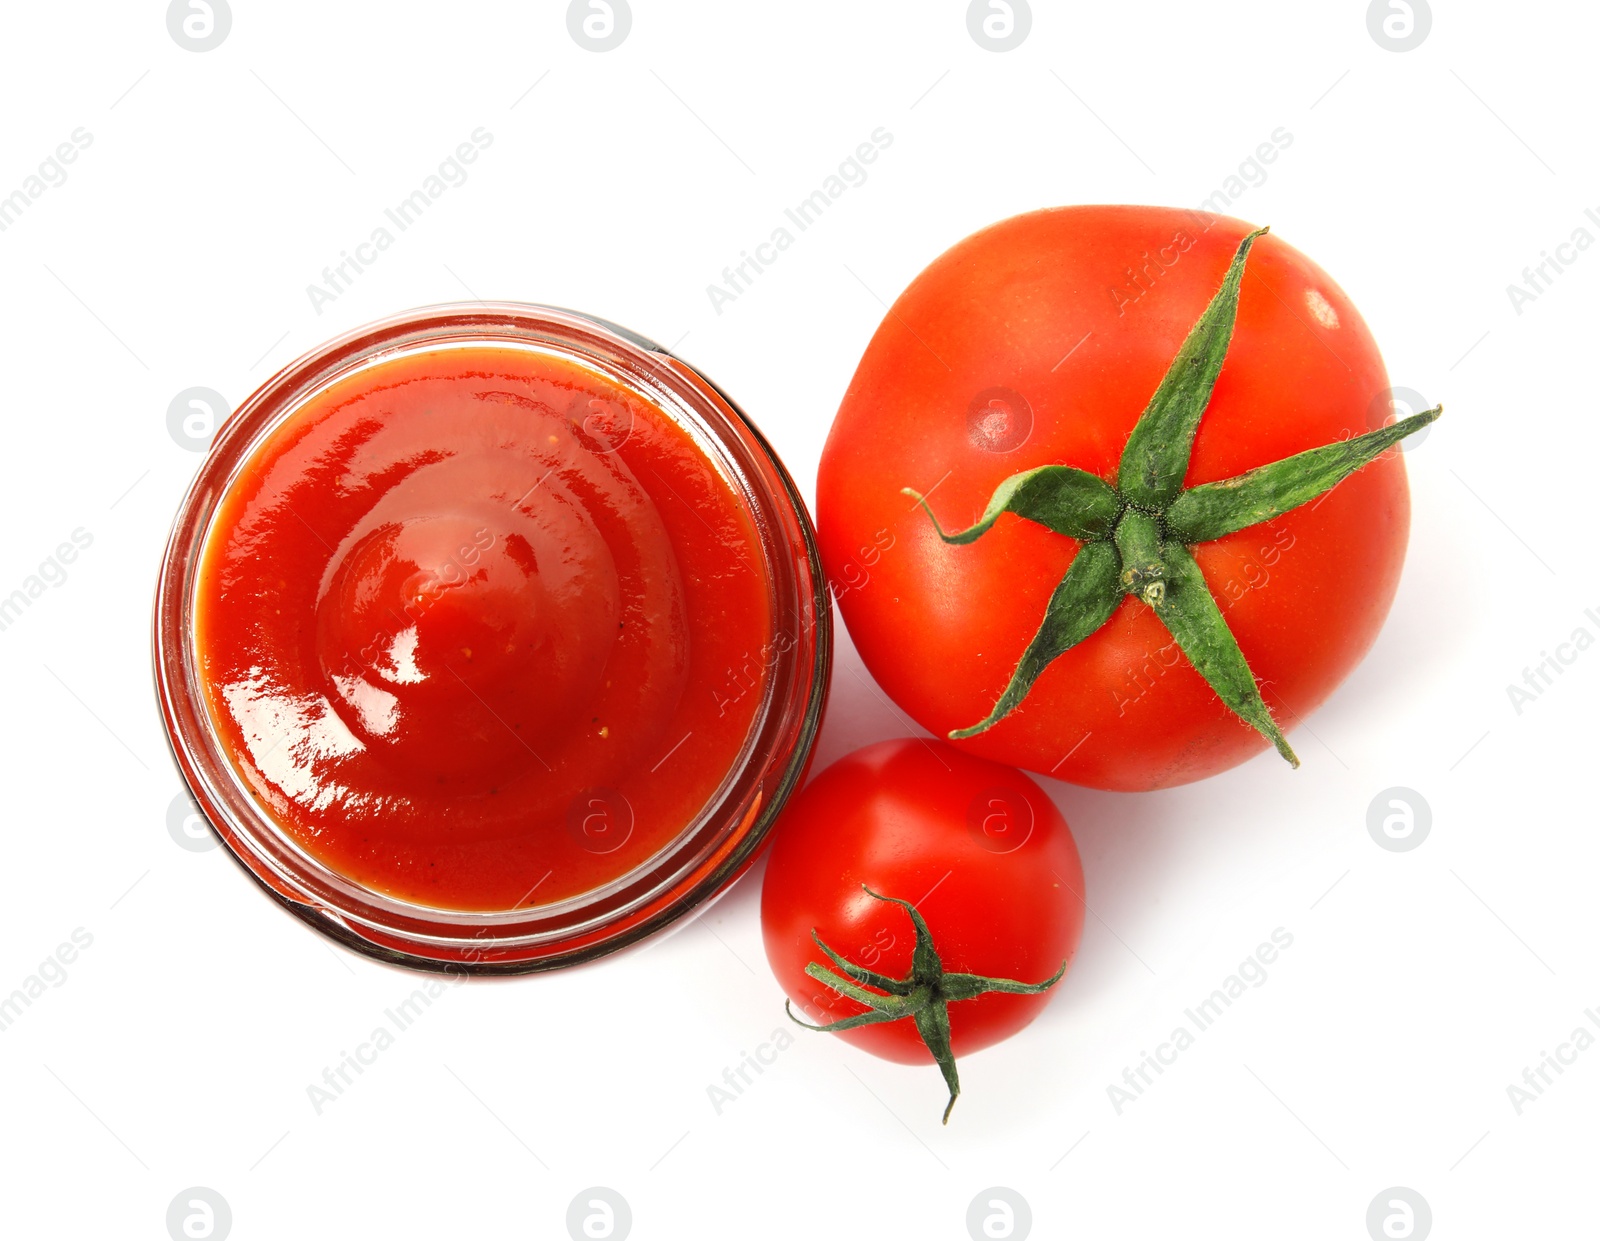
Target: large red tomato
<point x="1040" y="341"/>
<point x="977" y="849"/>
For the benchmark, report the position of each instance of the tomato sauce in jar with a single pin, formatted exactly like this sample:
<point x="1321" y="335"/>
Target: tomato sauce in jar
<point x="478" y="627"/>
<point x="491" y="638"/>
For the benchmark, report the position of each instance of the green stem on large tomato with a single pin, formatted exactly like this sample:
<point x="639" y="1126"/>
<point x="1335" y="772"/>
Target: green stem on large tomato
<point x="1137" y="536"/>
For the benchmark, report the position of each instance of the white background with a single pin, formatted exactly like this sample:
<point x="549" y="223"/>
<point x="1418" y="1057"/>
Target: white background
<point x="178" y="252"/>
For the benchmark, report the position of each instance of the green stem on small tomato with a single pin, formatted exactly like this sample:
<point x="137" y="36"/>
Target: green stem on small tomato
<point x="1137" y="535"/>
<point x="924" y="995"/>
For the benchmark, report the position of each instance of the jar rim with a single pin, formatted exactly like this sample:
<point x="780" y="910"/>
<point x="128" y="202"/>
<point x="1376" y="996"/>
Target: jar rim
<point x="706" y="855"/>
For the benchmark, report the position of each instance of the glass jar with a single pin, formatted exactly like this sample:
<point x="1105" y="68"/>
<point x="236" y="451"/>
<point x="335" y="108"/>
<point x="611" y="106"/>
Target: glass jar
<point x="707" y="854"/>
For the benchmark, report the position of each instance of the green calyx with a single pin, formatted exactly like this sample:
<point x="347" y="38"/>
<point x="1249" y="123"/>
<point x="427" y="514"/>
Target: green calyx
<point x="1137" y="535"/>
<point x="924" y="995"/>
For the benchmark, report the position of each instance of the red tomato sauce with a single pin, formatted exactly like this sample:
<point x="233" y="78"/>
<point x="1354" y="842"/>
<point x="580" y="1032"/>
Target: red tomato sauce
<point x="468" y="622"/>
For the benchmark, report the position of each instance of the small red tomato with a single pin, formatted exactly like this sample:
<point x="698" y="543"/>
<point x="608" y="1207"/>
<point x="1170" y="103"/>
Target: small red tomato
<point x="919" y="901"/>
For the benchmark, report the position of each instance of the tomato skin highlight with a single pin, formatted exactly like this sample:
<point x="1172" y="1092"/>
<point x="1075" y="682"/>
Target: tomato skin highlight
<point x="1043" y="307"/>
<point x="907" y="818"/>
